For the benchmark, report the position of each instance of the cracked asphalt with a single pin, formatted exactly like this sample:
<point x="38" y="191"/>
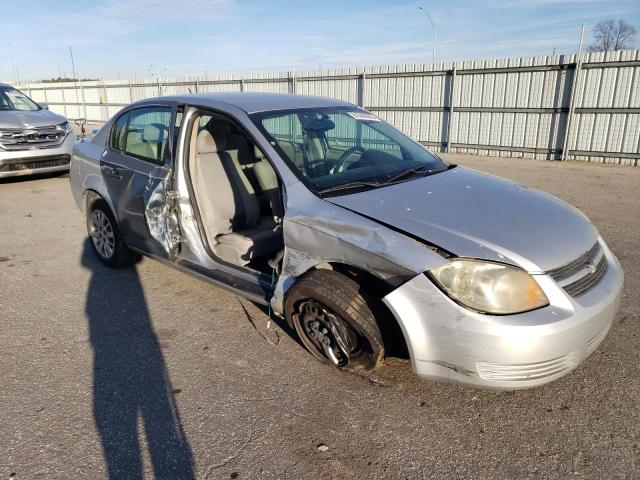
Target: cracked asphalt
<point x="149" y="372"/>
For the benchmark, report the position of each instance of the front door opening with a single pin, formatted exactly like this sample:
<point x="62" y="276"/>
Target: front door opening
<point x="237" y="194"/>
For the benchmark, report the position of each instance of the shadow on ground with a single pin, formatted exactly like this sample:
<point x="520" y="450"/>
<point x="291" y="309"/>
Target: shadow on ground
<point x="132" y="396"/>
<point x="35" y="176"/>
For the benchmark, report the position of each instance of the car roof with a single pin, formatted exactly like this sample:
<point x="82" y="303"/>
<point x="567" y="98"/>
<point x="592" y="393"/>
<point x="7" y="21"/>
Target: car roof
<point x="251" y="102"/>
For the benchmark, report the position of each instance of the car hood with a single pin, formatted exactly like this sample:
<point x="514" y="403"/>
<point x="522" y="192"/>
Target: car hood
<point x="40" y="118"/>
<point x="473" y="214"/>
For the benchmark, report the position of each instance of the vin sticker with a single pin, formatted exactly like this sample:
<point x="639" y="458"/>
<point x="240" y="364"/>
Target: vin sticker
<point x="364" y="116"/>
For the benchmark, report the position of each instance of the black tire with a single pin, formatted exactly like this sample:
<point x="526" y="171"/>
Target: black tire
<point x="100" y="238"/>
<point x="323" y="295"/>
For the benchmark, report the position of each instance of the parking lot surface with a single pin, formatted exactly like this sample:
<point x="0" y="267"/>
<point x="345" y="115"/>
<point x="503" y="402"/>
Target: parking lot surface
<point x="148" y="371"/>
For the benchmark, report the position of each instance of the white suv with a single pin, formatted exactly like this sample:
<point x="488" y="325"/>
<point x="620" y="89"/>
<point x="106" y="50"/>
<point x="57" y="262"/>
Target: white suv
<point x="32" y="139"/>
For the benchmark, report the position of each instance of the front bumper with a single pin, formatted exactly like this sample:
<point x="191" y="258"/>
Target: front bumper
<point x="16" y="163"/>
<point x="450" y="343"/>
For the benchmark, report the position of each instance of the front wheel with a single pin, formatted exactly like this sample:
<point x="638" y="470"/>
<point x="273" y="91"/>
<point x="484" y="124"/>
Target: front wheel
<point x="104" y="236"/>
<point x="334" y="320"/>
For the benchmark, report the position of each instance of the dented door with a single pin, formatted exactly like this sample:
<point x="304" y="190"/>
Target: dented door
<point x="161" y="215"/>
<point x="137" y="170"/>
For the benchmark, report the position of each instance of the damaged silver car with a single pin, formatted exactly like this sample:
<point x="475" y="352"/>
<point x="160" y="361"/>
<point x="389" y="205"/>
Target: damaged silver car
<point x="353" y="232"/>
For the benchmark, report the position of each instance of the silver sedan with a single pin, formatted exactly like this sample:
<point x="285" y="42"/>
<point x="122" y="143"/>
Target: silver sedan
<point x="364" y="241"/>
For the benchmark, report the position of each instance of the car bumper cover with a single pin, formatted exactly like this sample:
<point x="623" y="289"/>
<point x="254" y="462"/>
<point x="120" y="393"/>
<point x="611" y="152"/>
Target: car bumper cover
<point x="450" y="343"/>
<point x="38" y="160"/>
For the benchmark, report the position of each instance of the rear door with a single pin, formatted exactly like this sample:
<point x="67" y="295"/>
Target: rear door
<point x="136" y="168"/>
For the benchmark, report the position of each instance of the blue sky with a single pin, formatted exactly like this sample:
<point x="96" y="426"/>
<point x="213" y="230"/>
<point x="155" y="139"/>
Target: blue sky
<point x="122" y="38"/>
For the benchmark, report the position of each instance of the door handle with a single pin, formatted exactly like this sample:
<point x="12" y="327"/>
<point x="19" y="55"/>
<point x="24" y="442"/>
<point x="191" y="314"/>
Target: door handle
<point x="112" y="172"/>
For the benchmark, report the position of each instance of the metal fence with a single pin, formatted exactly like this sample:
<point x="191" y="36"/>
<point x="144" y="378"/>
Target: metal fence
<point x="560" y="107"/>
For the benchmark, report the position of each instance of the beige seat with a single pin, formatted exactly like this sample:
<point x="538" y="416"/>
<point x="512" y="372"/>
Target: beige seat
<point x="258" y="171"/>
<point x="268" y="181"/>
<point x="150" y="144"/>
<point x="228" y="205"/>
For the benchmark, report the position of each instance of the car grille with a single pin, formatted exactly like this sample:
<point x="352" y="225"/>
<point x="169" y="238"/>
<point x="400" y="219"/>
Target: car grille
<point x="592" y="264"/>
<point x="526" y="371"/>
<point x="575" y="266"/>
<point x="40" y="162"/>
<point x="585" y="283"/>
<point x="26" y="139"/>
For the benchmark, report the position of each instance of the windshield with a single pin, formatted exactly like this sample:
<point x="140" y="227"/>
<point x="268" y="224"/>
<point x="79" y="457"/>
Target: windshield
<point x="12" y="99"/>
<point x="332" y="149"/>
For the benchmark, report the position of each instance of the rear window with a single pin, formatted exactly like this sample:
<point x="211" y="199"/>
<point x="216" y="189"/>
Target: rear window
<point x="143" y="133"/>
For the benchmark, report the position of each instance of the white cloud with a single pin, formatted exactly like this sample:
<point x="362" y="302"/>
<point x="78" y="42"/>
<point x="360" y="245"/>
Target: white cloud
<point x="168" y="9"/>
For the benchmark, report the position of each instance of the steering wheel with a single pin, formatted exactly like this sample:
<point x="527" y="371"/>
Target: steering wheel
<point x="343" y="158"/>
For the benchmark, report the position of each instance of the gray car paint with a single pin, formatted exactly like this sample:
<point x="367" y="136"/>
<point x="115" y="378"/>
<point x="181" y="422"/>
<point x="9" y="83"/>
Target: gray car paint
<point x="381" y="231"/>
<point x="20" y="120"/>
<point x="477" y="215"/>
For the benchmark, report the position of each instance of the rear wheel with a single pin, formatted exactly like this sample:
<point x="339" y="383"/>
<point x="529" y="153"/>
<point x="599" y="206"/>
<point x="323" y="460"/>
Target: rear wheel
<point x="334" y="320"/>
<point x="104" y="236"/>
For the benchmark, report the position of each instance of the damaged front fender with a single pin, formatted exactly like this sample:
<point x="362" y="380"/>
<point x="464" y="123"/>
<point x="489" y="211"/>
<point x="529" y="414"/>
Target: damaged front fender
<point x="317" y="232"/>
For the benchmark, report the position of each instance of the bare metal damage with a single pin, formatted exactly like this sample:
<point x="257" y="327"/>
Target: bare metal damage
<point x="160" y="214"/>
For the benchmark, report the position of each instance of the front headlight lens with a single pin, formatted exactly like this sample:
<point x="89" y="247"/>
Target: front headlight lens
<point x="65" y="127"/>
<point x="489" y="287"/>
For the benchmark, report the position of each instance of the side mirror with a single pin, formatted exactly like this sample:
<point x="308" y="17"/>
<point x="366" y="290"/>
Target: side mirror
<point x="43" y="105"/>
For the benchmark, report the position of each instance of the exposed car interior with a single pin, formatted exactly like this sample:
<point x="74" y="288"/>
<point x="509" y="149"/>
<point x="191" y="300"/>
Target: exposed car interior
<point x="237" y="193"/>
<point x="330" y="147"/>
<point x="148" y="141"/>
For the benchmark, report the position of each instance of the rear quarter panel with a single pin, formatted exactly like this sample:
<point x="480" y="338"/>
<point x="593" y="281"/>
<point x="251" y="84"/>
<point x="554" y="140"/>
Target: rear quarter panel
<point x="85" y="173"/>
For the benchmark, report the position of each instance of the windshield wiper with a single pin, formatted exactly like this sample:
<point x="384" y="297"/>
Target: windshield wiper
<point x="406" y="173"/>
<point x="413" y="171"/>
<point x="349" y="186"/>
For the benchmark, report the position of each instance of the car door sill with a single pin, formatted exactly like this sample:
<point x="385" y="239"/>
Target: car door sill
<point x="259" y="292"/>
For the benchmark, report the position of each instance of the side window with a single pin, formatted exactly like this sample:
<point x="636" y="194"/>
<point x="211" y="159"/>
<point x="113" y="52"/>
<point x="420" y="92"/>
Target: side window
<point x="117" y="134"/>
<point x="147" y="134"/>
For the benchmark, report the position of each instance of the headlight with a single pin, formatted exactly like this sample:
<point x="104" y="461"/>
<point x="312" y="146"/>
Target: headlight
<point x="65" y="127"/>
<point x="489" y="287"/>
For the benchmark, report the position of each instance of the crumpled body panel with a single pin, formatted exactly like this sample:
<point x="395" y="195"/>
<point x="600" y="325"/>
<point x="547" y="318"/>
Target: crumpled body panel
<point x="317" y="232"/>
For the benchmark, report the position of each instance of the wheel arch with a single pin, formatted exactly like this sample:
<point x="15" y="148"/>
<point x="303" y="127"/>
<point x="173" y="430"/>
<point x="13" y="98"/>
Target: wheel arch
<point x="374" y="288"/>
<point x="90" y="196"/>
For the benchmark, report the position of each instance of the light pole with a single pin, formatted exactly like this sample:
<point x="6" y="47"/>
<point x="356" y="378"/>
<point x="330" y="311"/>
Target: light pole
<point x="13" y="63"/>
<point x="433" y="25"/>
<point x="581" y="39"/>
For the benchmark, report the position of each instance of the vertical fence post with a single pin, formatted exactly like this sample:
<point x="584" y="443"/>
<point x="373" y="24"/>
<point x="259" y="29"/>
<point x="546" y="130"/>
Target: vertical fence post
<point x="106" y="100"/>
<point x="84" y="102"/>
<point x="292" y="82"/>
<point x="130" y="92"/>
<point x="451" y="100"/>
<point x="572" y="94"/>
<point x="242" y="84"/>
<point x="159" y="87"/>
<point x="64" y="101"/>
<point x="196" y="86"/>
<point x="44" y="91"/>
<point x="362" y="92"/>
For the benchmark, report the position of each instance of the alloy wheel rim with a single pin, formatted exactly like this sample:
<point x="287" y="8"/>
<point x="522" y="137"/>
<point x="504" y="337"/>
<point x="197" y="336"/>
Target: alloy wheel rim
<point x="102" y="234"/>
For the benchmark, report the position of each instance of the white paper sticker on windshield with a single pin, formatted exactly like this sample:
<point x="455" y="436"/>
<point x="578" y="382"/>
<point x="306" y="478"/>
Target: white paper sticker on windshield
<point x="364" y="116"/>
